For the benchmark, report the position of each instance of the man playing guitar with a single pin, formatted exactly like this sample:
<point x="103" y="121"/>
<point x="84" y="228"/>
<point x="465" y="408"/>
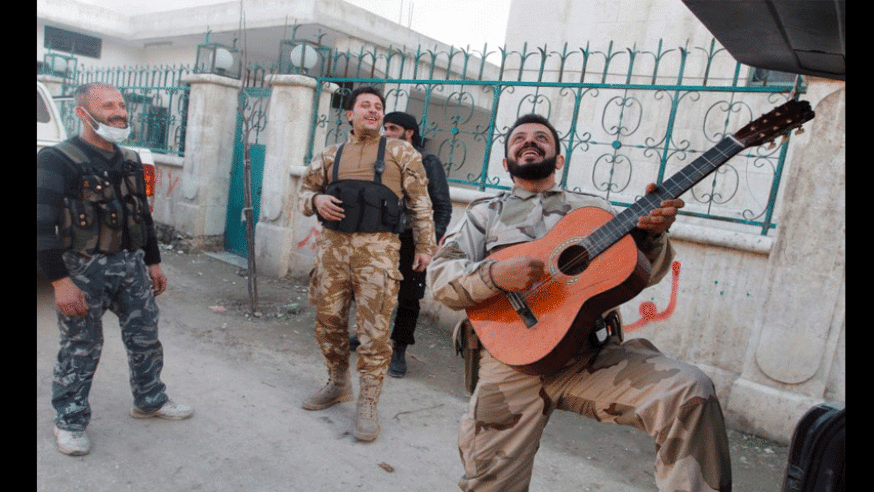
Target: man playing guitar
<point x="604" y="378"/>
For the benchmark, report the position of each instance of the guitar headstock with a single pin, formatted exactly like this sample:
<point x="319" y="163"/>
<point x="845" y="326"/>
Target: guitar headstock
<point x="775" y="123"/>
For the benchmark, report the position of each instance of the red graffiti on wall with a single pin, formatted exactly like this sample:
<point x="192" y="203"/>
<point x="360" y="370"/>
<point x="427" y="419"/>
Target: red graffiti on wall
<point x="314" y="233"/>
<point x="648" y="312"/>
<point x="171" y="181"/>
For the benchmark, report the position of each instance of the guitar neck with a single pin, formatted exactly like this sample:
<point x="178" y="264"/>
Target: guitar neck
<point x="611" y="232"/>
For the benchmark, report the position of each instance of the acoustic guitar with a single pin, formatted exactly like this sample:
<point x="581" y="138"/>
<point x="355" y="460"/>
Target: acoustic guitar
<point x="594" y="264"/>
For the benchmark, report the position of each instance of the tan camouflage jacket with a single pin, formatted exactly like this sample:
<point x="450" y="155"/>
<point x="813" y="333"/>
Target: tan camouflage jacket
<point x="404" y="175"/>
<point x="459" y="273"/>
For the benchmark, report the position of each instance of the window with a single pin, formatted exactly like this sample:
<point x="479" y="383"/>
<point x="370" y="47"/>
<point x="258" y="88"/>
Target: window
<point x="70" y="42"/>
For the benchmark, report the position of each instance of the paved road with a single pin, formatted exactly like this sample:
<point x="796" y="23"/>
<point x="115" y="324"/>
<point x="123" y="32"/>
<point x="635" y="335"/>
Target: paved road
<point x="246" y="377"/>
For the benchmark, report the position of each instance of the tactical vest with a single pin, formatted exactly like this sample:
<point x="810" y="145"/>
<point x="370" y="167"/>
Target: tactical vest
<point x="367" y="206"/>
<point x="95" y="213"/>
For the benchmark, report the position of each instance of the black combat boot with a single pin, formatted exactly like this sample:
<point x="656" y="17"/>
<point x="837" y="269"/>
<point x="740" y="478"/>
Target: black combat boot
<point x="398" y="367"/>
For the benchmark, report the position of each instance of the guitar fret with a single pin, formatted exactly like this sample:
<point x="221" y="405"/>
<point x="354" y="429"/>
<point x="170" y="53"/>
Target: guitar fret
<point x="611" y="232"/>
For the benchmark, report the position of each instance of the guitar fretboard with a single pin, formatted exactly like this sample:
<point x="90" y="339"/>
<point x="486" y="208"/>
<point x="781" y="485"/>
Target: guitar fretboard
<point x="611" y="232"/>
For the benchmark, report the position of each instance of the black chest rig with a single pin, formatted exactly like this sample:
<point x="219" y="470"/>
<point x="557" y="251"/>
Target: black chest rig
<point x="368" y="206"/>
<point x="102" y="214"/>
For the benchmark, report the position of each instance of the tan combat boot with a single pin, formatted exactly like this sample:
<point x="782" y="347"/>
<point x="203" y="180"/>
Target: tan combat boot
<point x="367" y="418"/>
<point x="338" y="390"/>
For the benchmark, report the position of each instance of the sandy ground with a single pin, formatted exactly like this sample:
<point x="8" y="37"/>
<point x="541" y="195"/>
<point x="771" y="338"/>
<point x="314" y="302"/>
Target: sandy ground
<point x="246" y="377"/>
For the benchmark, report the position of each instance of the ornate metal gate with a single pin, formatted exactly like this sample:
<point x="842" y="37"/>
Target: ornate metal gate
<point x="625" y="117"/>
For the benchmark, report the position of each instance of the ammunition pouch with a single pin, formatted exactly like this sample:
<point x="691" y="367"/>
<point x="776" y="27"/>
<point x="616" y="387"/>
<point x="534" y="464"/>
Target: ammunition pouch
<point x="367" y="206"/>
<point x="467" y="346"/>
<point x="136" y="203"/>
<point x="94" y="216"/>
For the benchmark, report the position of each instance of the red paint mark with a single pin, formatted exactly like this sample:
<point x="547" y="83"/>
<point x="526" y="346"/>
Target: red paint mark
<point x="314" y="233"/>
<point x="172" y="184"/>
<point x="647" y="309"/>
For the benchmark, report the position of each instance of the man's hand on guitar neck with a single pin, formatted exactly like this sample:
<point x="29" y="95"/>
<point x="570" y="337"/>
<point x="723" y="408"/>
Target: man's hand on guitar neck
<point x="659" y="220"/>
<point x="517" y="274"/>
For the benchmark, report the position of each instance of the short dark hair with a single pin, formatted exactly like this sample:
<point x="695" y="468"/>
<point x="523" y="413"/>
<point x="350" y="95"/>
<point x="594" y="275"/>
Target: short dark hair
<point x="533" y="118"/>
<point x="364" y="89"/>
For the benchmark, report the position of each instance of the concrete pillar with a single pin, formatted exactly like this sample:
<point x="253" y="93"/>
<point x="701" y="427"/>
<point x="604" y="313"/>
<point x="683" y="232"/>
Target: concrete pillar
<point x="286" y="140"/>
<point x="798" y="336"/>
<point x="209" y="151"/>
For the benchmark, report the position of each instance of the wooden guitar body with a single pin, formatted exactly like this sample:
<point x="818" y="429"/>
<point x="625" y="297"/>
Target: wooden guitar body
<point x="568" y="304"/>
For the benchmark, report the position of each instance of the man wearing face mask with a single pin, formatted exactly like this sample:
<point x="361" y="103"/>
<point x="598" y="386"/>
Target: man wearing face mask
<point x="96" y="244"/>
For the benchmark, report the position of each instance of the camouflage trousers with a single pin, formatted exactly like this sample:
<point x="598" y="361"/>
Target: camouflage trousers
<point x="360" y="267"/>
<point x="629" y="384"/>
<point x="120" y="283"/>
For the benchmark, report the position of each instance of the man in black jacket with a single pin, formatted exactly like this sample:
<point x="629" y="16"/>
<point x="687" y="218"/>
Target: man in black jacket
<point x="404" y="126"/>
<point x="96" y="244"/>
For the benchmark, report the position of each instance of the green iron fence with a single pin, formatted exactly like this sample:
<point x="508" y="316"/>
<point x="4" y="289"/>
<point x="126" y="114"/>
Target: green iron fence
<point x="625" y="117"/>
<point x="157" y="101"/>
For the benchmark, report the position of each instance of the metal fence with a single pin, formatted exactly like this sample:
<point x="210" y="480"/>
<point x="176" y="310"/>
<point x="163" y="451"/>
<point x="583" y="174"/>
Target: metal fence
<point x="157" y="103"/>
<point x="626" y="117"/>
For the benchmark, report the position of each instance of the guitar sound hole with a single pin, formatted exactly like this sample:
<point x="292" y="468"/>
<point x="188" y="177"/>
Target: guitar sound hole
<point x="573" y="260"/>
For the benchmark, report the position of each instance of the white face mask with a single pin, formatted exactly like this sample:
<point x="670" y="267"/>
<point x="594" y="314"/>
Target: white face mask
<point x="109" y="133"/>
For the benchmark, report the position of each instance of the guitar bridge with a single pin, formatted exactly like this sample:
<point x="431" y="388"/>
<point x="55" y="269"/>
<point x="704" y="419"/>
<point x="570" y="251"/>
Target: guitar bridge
<point x="522" y="309"/>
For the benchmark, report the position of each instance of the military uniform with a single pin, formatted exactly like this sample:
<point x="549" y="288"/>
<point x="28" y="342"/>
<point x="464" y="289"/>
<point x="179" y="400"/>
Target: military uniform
<point x="629" y="383"/>
<point x="94" y="226"/>
<point x="363" y="265"/>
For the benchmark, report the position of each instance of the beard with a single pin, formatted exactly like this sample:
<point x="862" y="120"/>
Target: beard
<point x="532" y="171"/>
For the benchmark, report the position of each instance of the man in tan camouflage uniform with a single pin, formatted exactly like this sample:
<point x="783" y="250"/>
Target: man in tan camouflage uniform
<point x="361" y="265"/>
<point x="629" y="383"/>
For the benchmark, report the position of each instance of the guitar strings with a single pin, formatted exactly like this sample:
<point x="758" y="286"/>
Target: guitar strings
<point x="619" y="225"/>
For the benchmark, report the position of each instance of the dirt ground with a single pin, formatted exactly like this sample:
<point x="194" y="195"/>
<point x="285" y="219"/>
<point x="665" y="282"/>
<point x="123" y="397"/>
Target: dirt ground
<point x="246" y="377"/>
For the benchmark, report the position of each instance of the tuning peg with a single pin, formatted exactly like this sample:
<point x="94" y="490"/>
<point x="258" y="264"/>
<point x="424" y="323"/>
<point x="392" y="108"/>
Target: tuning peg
<point x="800" y="130"/>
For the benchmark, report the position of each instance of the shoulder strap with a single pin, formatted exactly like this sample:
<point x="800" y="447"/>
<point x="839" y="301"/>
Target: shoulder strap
<point x="336" y="176"/>
<point x="129" y="155"/>
<point x="72" y="152"/>
<point x="378" y="166"/>
<point x="75" y="160"/>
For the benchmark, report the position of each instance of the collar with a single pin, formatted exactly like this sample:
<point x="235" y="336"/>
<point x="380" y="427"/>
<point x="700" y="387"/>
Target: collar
<point x="524" y="194"/>
<point x="363" y="139"/>
<point x="109" y="156"/>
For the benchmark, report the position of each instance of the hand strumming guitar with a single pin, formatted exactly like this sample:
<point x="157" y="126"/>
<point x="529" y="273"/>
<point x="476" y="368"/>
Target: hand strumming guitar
<point x="517" y="274"/>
